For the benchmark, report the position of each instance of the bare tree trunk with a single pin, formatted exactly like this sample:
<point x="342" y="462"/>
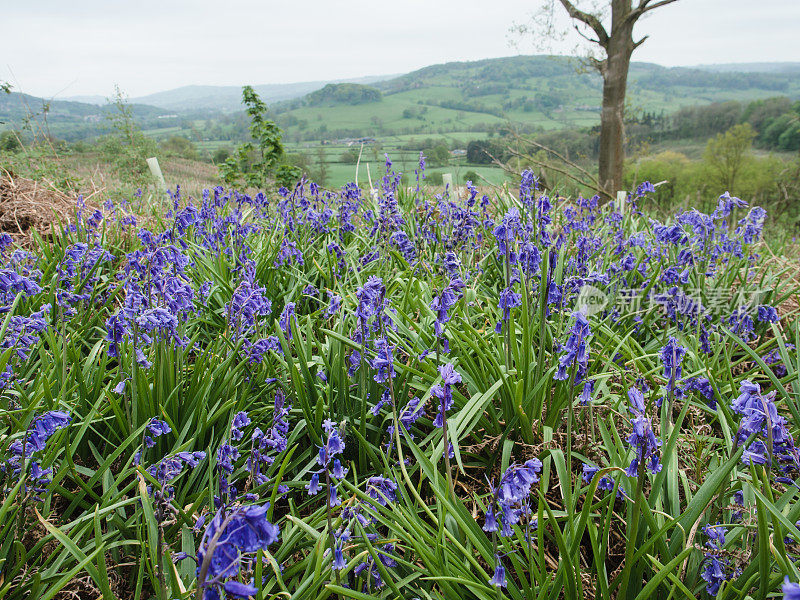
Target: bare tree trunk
<point x="615" y="82"/>
<point x="612" y="115"/>
<point x="618" y="45"/>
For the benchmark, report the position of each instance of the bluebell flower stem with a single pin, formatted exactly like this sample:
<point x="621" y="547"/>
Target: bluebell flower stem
<point x="162" y="584"/>
<point x="497" y="590"/>
<point x="331" y="535"/>
<point x="630" y="545"/>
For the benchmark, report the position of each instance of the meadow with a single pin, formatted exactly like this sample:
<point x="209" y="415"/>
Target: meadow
<point x="400" y="393"/>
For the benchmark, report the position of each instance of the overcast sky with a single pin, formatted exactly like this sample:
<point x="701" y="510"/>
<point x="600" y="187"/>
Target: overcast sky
<point x="65" y="48"/>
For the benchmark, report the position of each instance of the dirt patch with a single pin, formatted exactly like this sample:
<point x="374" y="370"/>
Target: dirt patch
<point x="27" y="205"/>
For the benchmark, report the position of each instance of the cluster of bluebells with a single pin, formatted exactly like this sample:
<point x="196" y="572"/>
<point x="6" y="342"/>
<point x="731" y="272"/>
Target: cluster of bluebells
<point x="158" y="297"/>
<point x="575" y="352"/>
<point x="20" y="336"/>
<point x="642" y="439"/>
<point x="772" y="444"/>
<point x="25" y="454"/>
<point x="383" y="492"/>
<point x="716" y="569"/>
<point x="266" y="445"/>
<point x="330" y="466"/>
<point x="775" y="359"/>
<point x="604" y="483"/>
<point x="228" y="550"/>
<point x="441" y="305"/>
<point x="372" y="317"/>
<point x="444" y="394"/>
<point x="509" y="504"/>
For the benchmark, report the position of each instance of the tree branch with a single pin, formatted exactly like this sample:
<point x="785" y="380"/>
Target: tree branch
<point x="645" y="5"/>
<point x="590" y="20"/>
<point x="640" y="42"/>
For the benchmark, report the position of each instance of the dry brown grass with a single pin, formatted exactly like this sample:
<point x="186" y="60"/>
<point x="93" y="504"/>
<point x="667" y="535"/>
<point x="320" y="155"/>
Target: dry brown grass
<point x="27" y="205"/>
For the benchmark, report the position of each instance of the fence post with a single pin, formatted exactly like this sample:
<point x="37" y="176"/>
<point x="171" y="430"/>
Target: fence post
<point x="155" y="170"/>
<point x="447" y="179"/>
<point x="622" y="205"/>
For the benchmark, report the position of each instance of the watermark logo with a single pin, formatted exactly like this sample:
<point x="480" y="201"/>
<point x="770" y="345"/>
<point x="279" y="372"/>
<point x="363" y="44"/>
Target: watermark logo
<point x="591" y="300"/>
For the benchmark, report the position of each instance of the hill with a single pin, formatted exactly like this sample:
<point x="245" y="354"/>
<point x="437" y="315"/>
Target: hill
<point x="762" y="67"/>
<point x="343" y="93"/>
<point x="529" y="92"/>
<point x="72" y="121"/>
<point x="229" y="98"/>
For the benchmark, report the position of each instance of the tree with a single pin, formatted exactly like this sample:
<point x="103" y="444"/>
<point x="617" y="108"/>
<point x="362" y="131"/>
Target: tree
<point x="178" y="145"/>
<point x="726" y="153"/>
<point x="220" y="155"/>
<point x="127" y="148"/>
<point x="256" y="163"/>
<point x="9" y="141"/>
<point x="439" y="155"/>
<point x="617" y="45"/>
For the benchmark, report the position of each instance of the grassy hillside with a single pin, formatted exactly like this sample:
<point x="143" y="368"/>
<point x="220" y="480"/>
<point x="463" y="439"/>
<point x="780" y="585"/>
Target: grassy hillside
<point x="530" y="92"/>
<point x="448" y="104"/>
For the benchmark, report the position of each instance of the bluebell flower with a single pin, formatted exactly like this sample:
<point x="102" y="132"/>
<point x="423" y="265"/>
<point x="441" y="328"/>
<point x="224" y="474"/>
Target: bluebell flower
<point x="586" y="392"/>
<point x="510" y="496"/>
<point x="508" y="300"/>
<point x="714" y="572"/>
<point x="760" y="417"/>
<point x="382" y="363"/>
<point x="334" y="305"/>
<point x="444" y="393"/>
<point x="39" y="432"/>
<point x="499" y="577"/>
<point x="576" y="350"/>
<point x="240" y="590"/>
<point x="791" y="591"/>
<point x="442" y="303"/>
<point x="642" y="439"/>
<point x="285" y="320"/>
<point x="767" y="313"/>
<point x="588" y="474"/>
<point x="232" y="533"/>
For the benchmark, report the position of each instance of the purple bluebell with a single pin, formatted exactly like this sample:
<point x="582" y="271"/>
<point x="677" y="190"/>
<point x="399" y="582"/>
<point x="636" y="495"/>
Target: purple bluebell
<point x="642" y="439"/>
<point x="510" y="496"/>
<point x="499" y="577"/>
<point x="444" y="393"/>
<point x="576" y="350"/>
<point x="233" y="532"/>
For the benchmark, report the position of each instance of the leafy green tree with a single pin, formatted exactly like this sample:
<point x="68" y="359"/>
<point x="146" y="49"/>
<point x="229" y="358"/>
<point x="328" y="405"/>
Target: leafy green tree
<point x="9" y="141"/>
<point x="178" y="145"/>
<point x="220" y="155"/>
<point x="727" y="153"/>
<point x="349" y="156"/>
<point x="439" y="155"/>
<point x="256" y="163"/>
<point x="434" y="178"/>
<point x="126" y="147"/>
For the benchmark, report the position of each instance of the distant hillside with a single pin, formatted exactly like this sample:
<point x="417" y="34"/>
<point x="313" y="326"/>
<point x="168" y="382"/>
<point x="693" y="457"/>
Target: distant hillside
<point x="74" y="121"/>
<point x="460" y="99"/>
<point x="343" y="93"/>
<point x="768" y="67"/>
<point x="229" y="98"/>
<point x="16" y="106"/>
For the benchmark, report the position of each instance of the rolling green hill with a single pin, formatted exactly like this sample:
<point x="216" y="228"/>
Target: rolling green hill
<point x="529" y="92"/>
<point x="447" y="104"/>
